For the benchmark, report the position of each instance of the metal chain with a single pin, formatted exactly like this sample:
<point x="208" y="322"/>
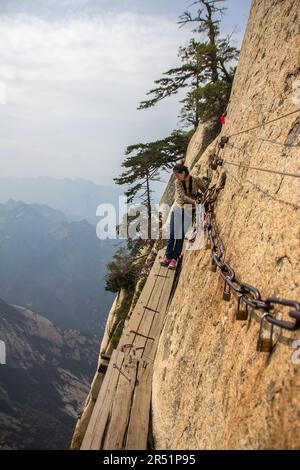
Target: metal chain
<point x="247" y="293"/>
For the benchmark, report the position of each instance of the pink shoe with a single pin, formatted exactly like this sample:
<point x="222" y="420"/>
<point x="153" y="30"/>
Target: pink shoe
<point x="173" y="264"/>
<point x="165" y="261"/>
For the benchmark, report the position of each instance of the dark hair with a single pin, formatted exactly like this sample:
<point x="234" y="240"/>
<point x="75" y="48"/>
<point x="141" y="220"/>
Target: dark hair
<point x="178" y="168"/>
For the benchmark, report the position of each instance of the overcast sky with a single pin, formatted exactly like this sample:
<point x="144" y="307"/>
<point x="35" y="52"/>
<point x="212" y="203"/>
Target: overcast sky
<point x="72" y="73"/>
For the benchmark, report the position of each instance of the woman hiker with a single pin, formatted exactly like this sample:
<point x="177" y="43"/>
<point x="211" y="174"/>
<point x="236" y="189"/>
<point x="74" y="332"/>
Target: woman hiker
<point x="186" y="189"/>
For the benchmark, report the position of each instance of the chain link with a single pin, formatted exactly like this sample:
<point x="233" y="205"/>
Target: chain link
<point x="247" y="293"/>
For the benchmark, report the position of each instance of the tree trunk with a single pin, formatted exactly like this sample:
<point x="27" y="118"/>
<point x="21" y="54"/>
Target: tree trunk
<point x="148" y="207"/>
<point x="212" y="33"/>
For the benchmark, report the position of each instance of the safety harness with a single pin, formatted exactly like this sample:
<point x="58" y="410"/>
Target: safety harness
<point x="188" y="193"/>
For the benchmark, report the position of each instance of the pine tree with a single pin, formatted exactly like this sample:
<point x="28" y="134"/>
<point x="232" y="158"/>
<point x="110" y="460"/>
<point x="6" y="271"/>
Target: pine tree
<point x="145" y="164"/>
<point x="120" y="273"/>
<point x="206" y="68"/>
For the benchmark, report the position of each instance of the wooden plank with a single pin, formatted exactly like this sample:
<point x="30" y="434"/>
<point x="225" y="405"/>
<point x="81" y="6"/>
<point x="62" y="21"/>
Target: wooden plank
<point x="120" y="418"/>
<point x="116" y="432"/>
<point x="156" y="327"/>
<point x="121" y="414"/>
<point x="138" y="425"/>
<point x="145" y="324"/>
<point x="149" y="316"/>
<point x="139" y="310"/>
<point x="98" y="422"/>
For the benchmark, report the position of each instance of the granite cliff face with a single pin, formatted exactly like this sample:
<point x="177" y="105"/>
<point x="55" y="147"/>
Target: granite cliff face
<point x="211" y="388"/>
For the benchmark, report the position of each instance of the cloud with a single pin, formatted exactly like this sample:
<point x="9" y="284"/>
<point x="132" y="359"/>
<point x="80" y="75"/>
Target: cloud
<point x="73" y="85"/>
<point x="104" y="51"/>
<point x="74" y="73"/>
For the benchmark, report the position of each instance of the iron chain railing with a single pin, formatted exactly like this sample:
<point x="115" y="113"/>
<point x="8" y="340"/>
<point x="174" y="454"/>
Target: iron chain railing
<point x="248" y="295"/>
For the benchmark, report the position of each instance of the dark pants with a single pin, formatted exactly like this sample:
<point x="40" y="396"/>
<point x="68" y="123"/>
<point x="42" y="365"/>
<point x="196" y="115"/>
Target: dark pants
<point x="179" y="224"/>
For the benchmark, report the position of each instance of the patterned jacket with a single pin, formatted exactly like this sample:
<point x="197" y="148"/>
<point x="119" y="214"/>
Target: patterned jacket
<point x="198" y="184"/>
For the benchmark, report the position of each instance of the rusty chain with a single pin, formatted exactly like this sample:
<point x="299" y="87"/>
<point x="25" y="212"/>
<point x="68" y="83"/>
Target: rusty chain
<point x="248" y="294"/>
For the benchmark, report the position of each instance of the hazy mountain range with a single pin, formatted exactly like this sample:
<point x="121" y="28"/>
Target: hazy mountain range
<point x="53" y="306"/>
<point x="53" y="266"/>
<point x="44" y="381"/>
<point x="77" y="199"/>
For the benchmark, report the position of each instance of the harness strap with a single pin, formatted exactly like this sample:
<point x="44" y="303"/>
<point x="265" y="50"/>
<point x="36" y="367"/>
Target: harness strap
<point x="190" y="186"/>
<point x="189" y="193"/>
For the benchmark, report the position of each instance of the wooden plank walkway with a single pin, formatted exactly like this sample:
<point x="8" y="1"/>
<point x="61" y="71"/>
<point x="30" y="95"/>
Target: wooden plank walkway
<point x="95" y="432"/>
<point x="120" y="419"/>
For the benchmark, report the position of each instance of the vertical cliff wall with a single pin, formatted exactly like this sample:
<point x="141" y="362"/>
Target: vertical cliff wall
<point x="211" y="388"/>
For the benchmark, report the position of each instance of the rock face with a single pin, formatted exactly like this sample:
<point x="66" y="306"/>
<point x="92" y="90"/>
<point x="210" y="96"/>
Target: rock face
<point x="199" y="142"/>
<point x="211" y="388"/>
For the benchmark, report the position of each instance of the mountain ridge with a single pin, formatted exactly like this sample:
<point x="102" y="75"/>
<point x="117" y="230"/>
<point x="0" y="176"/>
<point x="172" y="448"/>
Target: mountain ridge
<point x="54" y="266"/>
<point x="54" y="367"/>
